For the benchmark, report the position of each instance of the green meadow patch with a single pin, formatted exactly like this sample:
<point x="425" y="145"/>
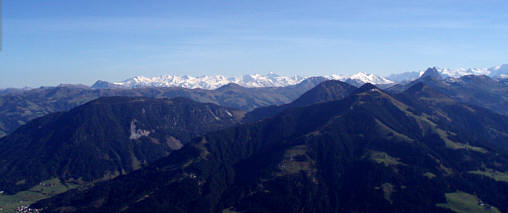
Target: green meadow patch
<point x="496" y="175"/>
<point x="44" y="190"/>
<point x="384" y="158"/>
<point x="462" y="202"/>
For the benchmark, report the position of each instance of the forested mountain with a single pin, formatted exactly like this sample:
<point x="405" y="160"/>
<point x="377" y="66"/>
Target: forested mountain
<point x="18" y="107"/>
<point x="418" y="151"/>
<point x="104" y="138"/>
<point x="330" y="90"/>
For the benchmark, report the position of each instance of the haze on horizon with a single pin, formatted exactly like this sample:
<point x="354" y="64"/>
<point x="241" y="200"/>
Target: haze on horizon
<point x="81" y="41"/>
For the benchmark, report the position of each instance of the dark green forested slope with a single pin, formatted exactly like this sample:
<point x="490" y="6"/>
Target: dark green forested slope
<point x="326" y="91"/>
<point x="104" y="138"/>
<point x="370" y="152"/>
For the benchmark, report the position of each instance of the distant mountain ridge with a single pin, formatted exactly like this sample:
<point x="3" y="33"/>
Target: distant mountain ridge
<point x="217" y="81"/>
<point x="274" y="80"/>
<point x="499" y="72"/>
<point x="479" y="90"/>
<point x="18" y="107"/>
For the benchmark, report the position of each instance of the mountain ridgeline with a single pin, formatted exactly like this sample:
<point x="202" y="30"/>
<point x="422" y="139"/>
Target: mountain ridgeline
<point x="368" y="152"/>
<point x="18" y="107"/>
<point x="104" y="138"/>
<point x="478" y="90"/>
<point x="326" y="91"/>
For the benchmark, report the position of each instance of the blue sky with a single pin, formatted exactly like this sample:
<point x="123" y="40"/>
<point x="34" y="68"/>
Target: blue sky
<point x="80" y="41"/>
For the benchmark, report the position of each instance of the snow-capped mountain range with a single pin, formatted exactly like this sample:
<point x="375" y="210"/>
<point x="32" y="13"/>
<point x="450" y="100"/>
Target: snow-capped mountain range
<point x="500" y="71"/>
<point x="274" y="80"/>
<point x="216" y="81"/>
<point x="211" y="82"/>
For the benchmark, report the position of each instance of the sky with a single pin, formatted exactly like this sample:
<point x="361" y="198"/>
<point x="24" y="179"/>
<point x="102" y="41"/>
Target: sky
<point x="49" y="42"/>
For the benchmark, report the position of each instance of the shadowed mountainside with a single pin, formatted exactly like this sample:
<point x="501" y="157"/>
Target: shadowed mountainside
<point x="326" y="91"/>
<point x="17" y="108"/>
<point x="104" y="138"/>
<point x="478" y="90"/>
<point x="368" y="152"/>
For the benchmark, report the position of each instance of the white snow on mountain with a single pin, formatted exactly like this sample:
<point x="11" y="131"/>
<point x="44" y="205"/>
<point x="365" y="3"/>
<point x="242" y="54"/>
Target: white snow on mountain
<point x="370" y="78"/>
<point x="269" y="80"/>
<point x="252" y="80"/>
<point x="274" y="80"/>
<point x="500" y="71"/>
<point x="210" y="82"/>
<point x="457" y="73"/>
<point x="361" y="78"/>
<point x="205" y="82"/>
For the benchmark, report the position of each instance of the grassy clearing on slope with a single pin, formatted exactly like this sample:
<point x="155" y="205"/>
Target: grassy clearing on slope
<point x="456" y="145"/>
<point x="429" y="175"/>
<point x="496" y="175"/>
<point x="229" y="210"/>
<point x="44" y="190"/>
<point x="296" y="161"/>
<point x="462" y="202"/>
<point x="384" y="158"/>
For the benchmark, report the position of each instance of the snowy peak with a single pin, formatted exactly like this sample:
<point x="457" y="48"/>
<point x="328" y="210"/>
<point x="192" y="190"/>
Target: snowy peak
<point x="274" y="80"/>
<point x="457" y="73"/>
<point x="500" y="71"/>
<point x="370" y="78"/>
<point x="269" y="80"/>
<point x="217" y="81"/>
<point x="495" y="72"/>
<point x="361" y="78"/>
<point x="209" y="82"/>
<point x="205" y="82"/>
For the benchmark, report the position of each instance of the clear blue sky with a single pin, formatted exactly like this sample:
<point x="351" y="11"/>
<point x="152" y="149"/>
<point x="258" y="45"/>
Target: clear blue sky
<point x="47" y="42"/>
